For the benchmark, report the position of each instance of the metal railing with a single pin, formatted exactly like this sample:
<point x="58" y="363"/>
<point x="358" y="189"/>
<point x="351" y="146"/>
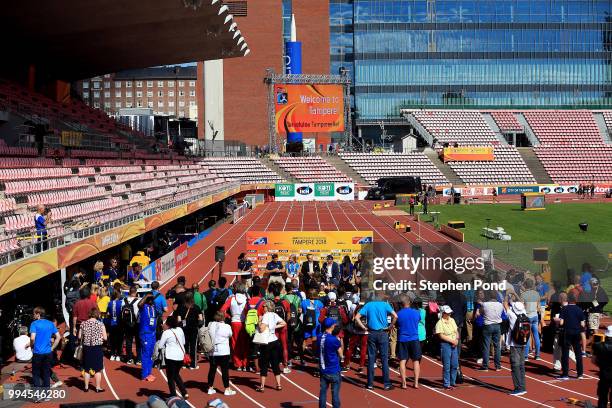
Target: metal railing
<point x="80" y="230"/>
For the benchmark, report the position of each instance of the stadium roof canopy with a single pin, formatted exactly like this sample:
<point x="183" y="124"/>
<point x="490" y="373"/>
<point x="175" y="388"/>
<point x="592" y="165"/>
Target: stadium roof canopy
<point x="75" y="39"/>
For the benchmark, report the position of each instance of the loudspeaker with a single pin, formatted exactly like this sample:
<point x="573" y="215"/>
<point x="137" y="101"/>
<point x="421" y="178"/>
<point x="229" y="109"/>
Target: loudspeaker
<point x="219" y="253"/>
<point x="540" y="255"/>
<point x="417" y="251"/>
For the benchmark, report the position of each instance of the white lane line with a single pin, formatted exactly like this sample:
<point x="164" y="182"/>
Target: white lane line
<point x="374" y="392"/>
<point x="177" y="391"/>
<point x="204" y="250"/>
<point x="552" y="364"/>
<point x="109" y="384"/>
<point x="303" y="389"/>
<point x="442" y="393"/>
<point x="242" y="392"/>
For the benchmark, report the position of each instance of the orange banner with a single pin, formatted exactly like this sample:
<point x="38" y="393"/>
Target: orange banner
<point x="157" y="220"/>
<point x="21" y="273"/>
<point x="78" y="251"/>
<point x="468" y="153"/>
<point x="201" y="203"/>
<point x="309" y="108"/>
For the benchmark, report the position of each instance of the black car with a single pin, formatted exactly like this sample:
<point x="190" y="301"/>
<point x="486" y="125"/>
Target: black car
<point x="388" y="187"/>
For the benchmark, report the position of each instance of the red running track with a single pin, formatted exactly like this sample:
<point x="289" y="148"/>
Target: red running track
<point x="481" y="389"/>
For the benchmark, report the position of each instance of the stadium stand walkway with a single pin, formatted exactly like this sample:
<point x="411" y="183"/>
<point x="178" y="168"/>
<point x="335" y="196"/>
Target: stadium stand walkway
<point x="535" y="165"/>
<point x="343" y="166"/>
<point x="445" y="169"/>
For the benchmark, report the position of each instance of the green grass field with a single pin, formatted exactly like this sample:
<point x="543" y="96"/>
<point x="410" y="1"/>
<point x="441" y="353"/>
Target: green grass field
<point x="555" y="228"/>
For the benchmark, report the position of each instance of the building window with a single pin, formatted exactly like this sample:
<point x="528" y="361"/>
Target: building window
<point x="181" y="93"/>
<point x="85" y="85"/>
<point x="149" y="84"/>
<point x="160" y="104"/>
<point x="181" y="84"/>
<point x="181" y="114"/>
<point x="128" y="94"/>
<point x="117" y="104"/>
<point x="171" y="104"/>
<point x="160" y="94"/>
<point x="170" y="93"/>
<point x="107" y="85"/>
<point x="192" y="103"/>
<point x="107" y="94"/>
<point x="149" y="94"/>
<point x="117" y="84"/>
<point x="96" y="85"/>
<point x="170" y="83"/>
<point x="181" y="104"/>
<point x="128" y="104"/>
<point x="97" y="105"/>
<point x="192" y="83"/>
<point x="160" y="84"/>
<point x="139" y="94"/>
<point x="118" y="94"/>
<point x="191" y="93"/>
<point x="138" y="84"/>
<point x="107" y="75"/>
<point x="107" y="105"/>
<point x="97" y="94"/>
<point x="85" y="95"/>
<point x="150" y="104"/>
<point x="128" y="84"/>
<point x="139" y="103"/>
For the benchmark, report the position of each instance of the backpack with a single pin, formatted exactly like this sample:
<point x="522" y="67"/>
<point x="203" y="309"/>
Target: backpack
<point x="205" y="340"/>
<point x="279" y="309"/>
<point x="333" y="312"/>
<point x="310" y="319"/>
<point x="128" y="317"/>
<point x="252" y="318"/>
<point x="294" y="319"/>
<point x="219" y="298"/>
<point x="521" y="330"/>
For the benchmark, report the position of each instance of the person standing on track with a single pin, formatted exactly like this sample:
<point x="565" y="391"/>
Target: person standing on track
<point x="446" y="330"/>
<point x="270" y="352"/>
<point x="516" y="314"/>
<point x="283" y="309"/>
<point x="602" y="358"/>
<point x="235" y="307"/>
<point x="376" y="313"/>
<point x="409" y="346"/>
<point x="330" y="355"/>
<point x="311" y="309"/>
<point x="337" y="312"/>
<point x="191" y="319"/>
<point x="492" y="310"/>
<point x="220" y="333"/>
<point x="147" y="326"/>
<point x="572" y="320"/>
<point x="358" y="338"/>
<point x="173" y="343"/>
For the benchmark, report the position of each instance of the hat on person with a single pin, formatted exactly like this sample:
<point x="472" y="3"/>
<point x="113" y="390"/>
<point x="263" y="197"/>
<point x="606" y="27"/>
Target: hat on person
<point x="332" y="296"/>
<point x="518" y="308"/>
<point x="594" y="281"/>
<point x="446" y="309"/>
<point x="609" y="331"/>
<point x="329" y="322"/>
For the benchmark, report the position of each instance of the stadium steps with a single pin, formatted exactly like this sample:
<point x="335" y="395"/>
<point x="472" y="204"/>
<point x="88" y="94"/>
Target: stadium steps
<point x="603" y="128"/>
<point x="343" y="166"/>
<point x="276" y="169"/>
<point x="420" y="129"/>
<point x="528" y="131"/>
<point x="449" y="173"/>
<point x="493" y="125"/>
<point x="535" y="165"/>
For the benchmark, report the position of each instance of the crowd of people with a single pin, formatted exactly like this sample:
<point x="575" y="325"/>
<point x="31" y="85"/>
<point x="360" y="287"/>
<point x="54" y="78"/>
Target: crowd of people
<point x="312" y="313"/>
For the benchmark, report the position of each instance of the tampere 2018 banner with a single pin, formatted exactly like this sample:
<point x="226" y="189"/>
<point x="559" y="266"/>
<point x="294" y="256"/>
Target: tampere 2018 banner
<point x="261" y="245"/>
<point x="309" y="108"/>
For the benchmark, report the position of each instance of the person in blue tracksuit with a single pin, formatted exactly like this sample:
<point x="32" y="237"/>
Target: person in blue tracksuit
<point x="147" y="324"/>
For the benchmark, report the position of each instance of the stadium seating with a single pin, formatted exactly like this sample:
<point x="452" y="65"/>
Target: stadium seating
<point x="372" y="166"/>
<point x="564" y="127"/>
<point x="82" y="195"/>
<point x="311" y="169"/>
<point x="507" y="122"/>
<point x="508" y="167"/>
<point x="466" y="128"/>
<point x="578" y="164"/>
<point x="248" y="170"/>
